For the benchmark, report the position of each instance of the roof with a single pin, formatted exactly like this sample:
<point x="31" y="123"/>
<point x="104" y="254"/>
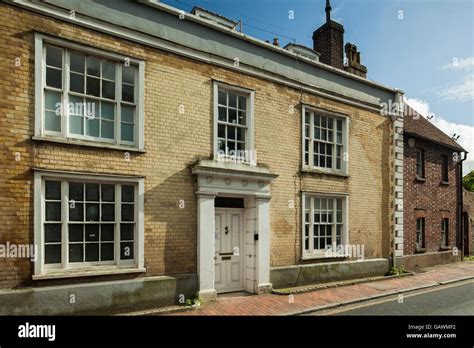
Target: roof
<point x="417" y="125"/>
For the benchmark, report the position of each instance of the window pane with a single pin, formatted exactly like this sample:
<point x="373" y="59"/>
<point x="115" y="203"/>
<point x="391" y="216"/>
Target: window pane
<point x="76" y="83"/>
<point x="77" y="62"/>
<point x="92" y="252"/>
<point x="93" y="66"/>
<point x="127" y="212"/>
<point x="108" y="89"/>
<point x="76" y="212"/>
<point x="232" y="100"/>
<point x="107" y="110"/>
<point x="53" y="190"/>
<point x="108" y="70"/>
<point x="53" y="211"/>
<point x="126" y="250"/>
<point x="76" y="233"/>
<point x="54" y="56"/>
<point x="92" y="212"/>
<point x="221" y="131"/>
<point x="92" y="127"/>
<point x="92" y="233"/>
<point x="222" y="114"/>
<point x="128" y="93"/>
<point x="222" y="97"/>
<point x="128" y="113"/>
<point x="52" y="253"/>
<point x="76" y="252"/>
<point x="76" y="125"/>
<point x="231" y="133"/>
<point x="128" y="74"/>
<point x="108" y="193"/>
<point x="240" y="134"/>
<point x="107" y="232"/>
<point x="242" y="119"/>
<point x="76" y="191"/>
<point x="54" y="78"/>
<point x="93" y="86"/>
<point x="92" y="192"/>
<point x="108" y="212"/>
<point x="107" y="251"/>
<point x="126" y="231"/>
<point x="232" y="116"/>
<point x="52" y="121"/>
<point x="52" y="101"/>
<point x="52" y="233"/>
<point x="127" y="131"/>
<point x="128" y="193"/>
<point x="91" y="108"/>
<point x="107" y="130"/>
<point x="242" y="103"/>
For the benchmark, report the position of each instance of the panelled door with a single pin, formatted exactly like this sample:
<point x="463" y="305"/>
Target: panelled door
<point x="229" y="264"/>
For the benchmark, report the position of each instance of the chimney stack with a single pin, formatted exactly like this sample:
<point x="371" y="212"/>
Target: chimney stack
<point x="353" y="61"/>
<point x="329" y="41"/>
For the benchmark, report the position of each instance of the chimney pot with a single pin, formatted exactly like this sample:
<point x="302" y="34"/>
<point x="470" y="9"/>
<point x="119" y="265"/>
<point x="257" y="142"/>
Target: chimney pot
<point x="275" y="42"/>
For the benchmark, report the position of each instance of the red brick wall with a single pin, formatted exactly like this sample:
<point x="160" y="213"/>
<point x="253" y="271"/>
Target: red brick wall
<point x="429" y="199"/>
<point x="329" y="42"/>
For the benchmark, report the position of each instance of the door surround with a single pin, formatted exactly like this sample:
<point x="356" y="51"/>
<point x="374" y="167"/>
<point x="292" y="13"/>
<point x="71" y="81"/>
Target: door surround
<point x="242" y="181"/>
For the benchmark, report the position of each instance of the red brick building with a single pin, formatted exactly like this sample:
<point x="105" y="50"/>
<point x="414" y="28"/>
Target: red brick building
<point x="432" y="193"/>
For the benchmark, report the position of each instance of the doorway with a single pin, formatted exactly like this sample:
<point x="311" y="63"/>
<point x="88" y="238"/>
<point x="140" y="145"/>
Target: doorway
<point x="229" y="262"/>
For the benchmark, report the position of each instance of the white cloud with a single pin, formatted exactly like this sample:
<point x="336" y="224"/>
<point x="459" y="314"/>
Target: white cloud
<point x="420" y="106"/>
<point x="460" y="64"/>
<point x="466" y="139"/>
<point x="461" y="92"/>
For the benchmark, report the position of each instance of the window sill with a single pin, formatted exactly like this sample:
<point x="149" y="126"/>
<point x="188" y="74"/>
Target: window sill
<point x="444" y="183"/>
<point x="324" y="172"/>
<point x="323" y="256"/>
<point x="420" y="250"/>
<point x="70" y="141"/>
<point x="72" y="273"/>
<point x="420" y="179"/>
<point x="444" y="248"/>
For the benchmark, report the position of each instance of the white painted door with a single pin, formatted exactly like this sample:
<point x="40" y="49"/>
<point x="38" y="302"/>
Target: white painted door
<point x="229" y="265"/>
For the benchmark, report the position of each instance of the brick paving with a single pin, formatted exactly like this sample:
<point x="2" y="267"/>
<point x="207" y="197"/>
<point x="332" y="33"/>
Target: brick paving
<point x="271" y="304"/>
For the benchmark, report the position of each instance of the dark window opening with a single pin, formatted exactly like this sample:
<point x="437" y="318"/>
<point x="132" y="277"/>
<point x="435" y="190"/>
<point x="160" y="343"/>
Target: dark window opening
<point x="228" y="202"/>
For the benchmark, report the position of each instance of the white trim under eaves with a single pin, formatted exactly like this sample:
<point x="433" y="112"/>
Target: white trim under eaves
<point x="165" y="45"/>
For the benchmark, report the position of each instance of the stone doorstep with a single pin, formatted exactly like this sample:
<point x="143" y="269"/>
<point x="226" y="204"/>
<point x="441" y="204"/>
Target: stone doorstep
<point x="158" y="311"/>
<point x="375" y="297"/>
<point x="313" y="287"/>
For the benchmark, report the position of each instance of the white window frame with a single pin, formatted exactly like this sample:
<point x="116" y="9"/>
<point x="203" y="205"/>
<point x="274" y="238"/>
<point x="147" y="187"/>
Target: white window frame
<point x="249" y="136"/>
<point x="315" y="254"/>
<point x="65" y="269"/>
<point x="41" y="41"/>
<point x="345" y="141"/>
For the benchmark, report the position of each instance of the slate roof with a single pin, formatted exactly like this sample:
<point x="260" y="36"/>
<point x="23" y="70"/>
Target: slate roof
<point x="417" y="125"/>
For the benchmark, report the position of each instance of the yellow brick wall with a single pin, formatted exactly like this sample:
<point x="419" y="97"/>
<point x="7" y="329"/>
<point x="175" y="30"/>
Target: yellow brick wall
<point x="173" y="142"/>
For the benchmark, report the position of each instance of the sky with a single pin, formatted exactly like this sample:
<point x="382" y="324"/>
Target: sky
<point x="423" y="47"/>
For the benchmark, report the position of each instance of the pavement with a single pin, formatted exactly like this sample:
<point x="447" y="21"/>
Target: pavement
<point x="324" y="299"/>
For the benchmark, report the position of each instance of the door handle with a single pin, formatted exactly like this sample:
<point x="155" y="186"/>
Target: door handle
<point x="226" y="230"/>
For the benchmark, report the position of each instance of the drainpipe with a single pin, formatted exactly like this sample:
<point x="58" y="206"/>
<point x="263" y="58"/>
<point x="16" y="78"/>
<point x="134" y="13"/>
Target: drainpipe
<point x="461" y="206"/>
